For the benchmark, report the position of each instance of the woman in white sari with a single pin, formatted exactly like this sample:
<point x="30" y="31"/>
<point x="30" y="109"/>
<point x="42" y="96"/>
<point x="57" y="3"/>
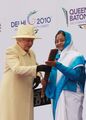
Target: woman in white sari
<point x="67" y="78"/>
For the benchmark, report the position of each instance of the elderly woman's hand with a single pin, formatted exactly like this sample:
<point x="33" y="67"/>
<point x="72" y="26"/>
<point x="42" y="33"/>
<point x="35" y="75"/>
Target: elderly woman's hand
<point x="51" y="63"/>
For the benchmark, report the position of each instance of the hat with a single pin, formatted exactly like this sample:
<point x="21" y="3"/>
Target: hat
<point x="25" y="31"/>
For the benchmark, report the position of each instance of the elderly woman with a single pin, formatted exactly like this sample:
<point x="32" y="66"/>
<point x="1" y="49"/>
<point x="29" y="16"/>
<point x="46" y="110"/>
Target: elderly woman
<point x="67" y="79"/>
<point x="16" y="93"/>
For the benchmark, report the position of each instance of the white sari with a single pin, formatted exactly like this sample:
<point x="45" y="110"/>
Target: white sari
<point x="61" y="99"/>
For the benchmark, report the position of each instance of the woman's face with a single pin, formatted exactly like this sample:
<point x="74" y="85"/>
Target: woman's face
<point x="59" y="41"/>
<point x="26" y="43"/>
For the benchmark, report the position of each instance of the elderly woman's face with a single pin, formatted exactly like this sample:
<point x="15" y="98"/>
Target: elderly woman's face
<point x="26" y="43"/>
<point x="59" y="41"/>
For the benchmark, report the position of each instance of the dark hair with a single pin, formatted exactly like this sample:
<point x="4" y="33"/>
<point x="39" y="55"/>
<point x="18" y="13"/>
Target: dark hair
<point x="60" y="32"/>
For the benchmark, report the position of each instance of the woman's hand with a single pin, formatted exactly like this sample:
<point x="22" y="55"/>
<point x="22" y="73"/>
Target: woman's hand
<point x="43" y="82"/>
<point x="51" y="63"/>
